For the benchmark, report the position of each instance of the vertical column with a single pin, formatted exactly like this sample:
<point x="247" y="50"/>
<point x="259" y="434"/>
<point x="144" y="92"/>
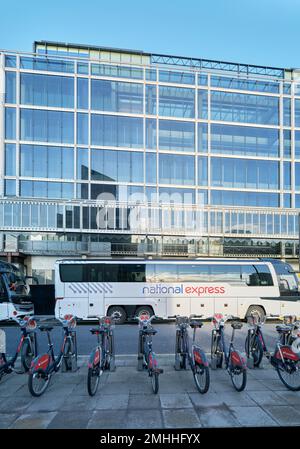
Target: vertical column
<point x="2" y="111"/>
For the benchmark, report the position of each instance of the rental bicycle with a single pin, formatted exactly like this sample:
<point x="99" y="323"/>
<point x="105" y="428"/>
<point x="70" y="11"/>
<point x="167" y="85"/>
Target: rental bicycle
<point x="285" y="358"/>
<point x="102" y="357"/>
<point x="146" y="357"/>
<point x="195" y="357"/>
<point x="27" y="348"/>
<point x="45" y="365"/>
<point x="235" y="363"/>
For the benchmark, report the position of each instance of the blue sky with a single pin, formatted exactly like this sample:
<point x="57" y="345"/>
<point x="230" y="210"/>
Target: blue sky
<point x="263" y="32"/>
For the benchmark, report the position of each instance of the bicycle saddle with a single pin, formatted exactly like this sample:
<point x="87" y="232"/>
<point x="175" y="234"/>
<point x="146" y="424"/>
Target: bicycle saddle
<point x="236" y="325"/>
<point x="149" y="331"/>
<point x="195" y="323"/>
<point x="96" y="330"/>
<point x="45" y="328"/>
<point x="283" y="329"/>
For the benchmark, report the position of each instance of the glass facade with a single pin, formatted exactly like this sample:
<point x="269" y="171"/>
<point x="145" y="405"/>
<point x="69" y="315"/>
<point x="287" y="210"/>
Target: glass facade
<point x="74" y="129"/>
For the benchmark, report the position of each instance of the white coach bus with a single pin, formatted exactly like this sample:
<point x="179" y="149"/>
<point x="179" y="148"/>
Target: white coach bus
<point x="175" y="287"/>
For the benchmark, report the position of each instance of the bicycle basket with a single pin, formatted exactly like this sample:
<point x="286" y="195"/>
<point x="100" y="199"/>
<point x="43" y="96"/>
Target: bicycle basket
<point x="289" y="319"/>
<point x="253" y="319"/>
<point x="182" y="320"/>
<point x="70" y="321"/>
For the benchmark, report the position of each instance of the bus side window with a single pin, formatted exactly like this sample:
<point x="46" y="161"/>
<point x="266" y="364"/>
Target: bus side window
<point x="264" y="274"/>
<point x="250" y="275"/>
<point x="95" y="272"/>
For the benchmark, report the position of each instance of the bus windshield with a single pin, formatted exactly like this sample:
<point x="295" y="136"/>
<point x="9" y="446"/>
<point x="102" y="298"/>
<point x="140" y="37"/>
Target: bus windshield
<point x="16" y="282"/>
<point x="287" y="278"/>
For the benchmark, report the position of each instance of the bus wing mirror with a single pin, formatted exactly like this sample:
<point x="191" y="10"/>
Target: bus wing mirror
<point x="34" y="278"/>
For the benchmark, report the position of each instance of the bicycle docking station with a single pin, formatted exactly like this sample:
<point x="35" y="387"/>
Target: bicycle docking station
<point x="2" y="342"/>
<point x="112" y="362"/>
<point x="140" y="365"/>
<point x="177" y="365"/>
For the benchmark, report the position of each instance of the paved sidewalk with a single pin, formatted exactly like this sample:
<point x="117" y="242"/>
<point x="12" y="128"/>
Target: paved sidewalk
<point x="125" y="400"/>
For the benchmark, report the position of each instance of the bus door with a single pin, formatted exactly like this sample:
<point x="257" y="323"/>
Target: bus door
<point x="75" y="294"/>
<point x="97" y="289"/>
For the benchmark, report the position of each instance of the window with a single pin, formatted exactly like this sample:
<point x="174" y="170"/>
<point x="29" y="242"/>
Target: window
<point x="95" y="272"/>
<point x="10" y="159"/>
<point x="166" y="273"/>
<point x="176" y="136"/>
<point x="117" y="96"/>
<point x="231" y="107"/>
<point x="132" y="273"/>
<point x="10" y="123"/>
<point x="176" y="169"/>
<point x="10" y="87"/>
<point x="82" y="93"/>
<point x="73" y="273"/>
<point x="244" y="140"/>
<point x="256" y="275"/>
<point x="117" y="131"/>
<point x="176" y="102"/>
<point x="244" y="173"/>
<point x="225" y="273"/>
<point x="47" y="126"/>
<point x="47" y="90"/>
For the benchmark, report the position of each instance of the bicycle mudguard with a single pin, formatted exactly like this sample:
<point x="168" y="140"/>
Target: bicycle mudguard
<point x="236" y="359"/>
<point x="199" y="356"/>
<point x="95" y="358"/>
<point x="287" y="353"/>
<point x="41" y="362"/>
<point x="153" y="365"/>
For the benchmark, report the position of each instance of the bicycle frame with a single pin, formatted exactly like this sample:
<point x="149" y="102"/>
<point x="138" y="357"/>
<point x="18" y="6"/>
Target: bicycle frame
<point x="281" y="352"/>
<point x="105" y="350"/>
<point x="47" y="362"/>
<point x="195" y="355"/>
<point x="232" y="357"/>
<point x="145" y="350"/>
<point x="7" y="366"/>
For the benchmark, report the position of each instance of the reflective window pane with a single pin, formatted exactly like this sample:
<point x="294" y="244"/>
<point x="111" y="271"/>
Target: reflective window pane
<point x="47" y="90"/>
<point x="10" y="159"/>
<point x="176" y="136"/>
<point x="82" y="128"/>
<point x="82" y="93"/>
<point x="244" y="140"/>
<point x="47" y="126"/>
<point x="82" y="163"/>
<point x="176" y="102"/>
<point x="202" y="104"/>
<point x="10" y="87"/>
<point x="117" y="96"/>
<point x="244" y="173"/>
<point x="10" y="123"/>
<point x="231" y="107"/>
<point x="176" y="169"/>
<point x="117" y="131"/>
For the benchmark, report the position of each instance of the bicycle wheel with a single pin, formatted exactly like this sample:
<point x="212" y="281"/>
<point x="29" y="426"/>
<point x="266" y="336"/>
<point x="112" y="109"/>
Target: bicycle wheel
<point x="155" y="382"/>
<point x="289" y="374"/>
<point x="238" y="377"/>
<point x="68" y="354"/>
<point x="201" y="378"/>
<point x="38" y="381"/>
<point x="93" y="379"/>
<point x="254" y="349"/>
<point x="27" y="354"/>
<point x="217" y="351"/>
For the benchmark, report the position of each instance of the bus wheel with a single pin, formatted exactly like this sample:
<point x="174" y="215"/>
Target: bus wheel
<point x="118" y="314"/>
<point x="257" y="310"/>
<point x="144" y="310"/>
